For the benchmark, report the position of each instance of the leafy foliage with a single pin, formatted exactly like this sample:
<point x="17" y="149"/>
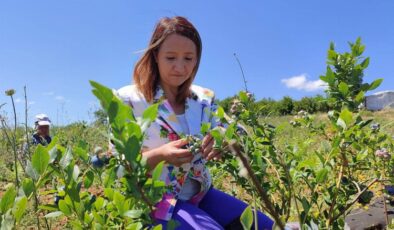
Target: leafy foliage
<point x="322" y="185"/>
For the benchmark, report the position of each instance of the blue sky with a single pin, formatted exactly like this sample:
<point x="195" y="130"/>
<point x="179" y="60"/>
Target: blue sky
<point x="55" y="47"/>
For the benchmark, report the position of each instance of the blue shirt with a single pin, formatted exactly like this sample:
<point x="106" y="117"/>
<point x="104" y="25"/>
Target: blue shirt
<point x="44" y="141"/>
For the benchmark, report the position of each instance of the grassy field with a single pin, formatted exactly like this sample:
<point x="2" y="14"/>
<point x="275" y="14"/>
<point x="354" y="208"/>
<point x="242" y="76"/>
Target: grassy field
<point x="94" y="135"/>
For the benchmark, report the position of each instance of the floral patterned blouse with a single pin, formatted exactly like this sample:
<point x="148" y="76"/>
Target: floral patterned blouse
<point x="198" y="110"/>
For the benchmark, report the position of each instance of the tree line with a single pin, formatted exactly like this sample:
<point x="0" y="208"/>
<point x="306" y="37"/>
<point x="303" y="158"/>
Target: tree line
<point x="284" y="106"/>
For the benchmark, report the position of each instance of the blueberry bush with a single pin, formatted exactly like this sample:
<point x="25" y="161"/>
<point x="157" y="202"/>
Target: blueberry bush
<point x="315" y="181"/>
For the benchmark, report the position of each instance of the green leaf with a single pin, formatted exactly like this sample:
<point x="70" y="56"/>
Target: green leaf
<point x="138" y="226"/>
<point x="341" y="123"/>
<point x="375" y="84"/>
<point x="102" y="93"/>
<point x="133" y="129"/>
<point x="217" y="136"/>
<point x="121" y="171"/>
<point x="343" y="88"/>
<point x="331" y="55"/>
<point x="159" y="184"/>
<point x="362" y="155"/>
<point x="76" y="172"/>
<point x="54" y="214"/>
<point x="66" y="159"/>
<point x="322" y="175"/>
<point x="157" y="171"/>
<point x="82" y="153"/>
<point x="149" y="116"/>
<point x="87" y="218"/>
<point x="134" y="214"/>
<point x="346" y="116"/>
<point x="110" y="177"/>
<point x="119" y="113"/>
<point x="7" y="200"/>
<point x="99" y="203"/>
<point x="365" y="63"/>
<point x="76" y="225"/>
<point x="89" y="178"/>
<point x="119" y="199"/>
<point x="205" y="127"/>
<point x="160" y="227"/>
<point x="20" y="208"/>
<point x="360" y="97"/>
<point x="243" y="97"/>
<point x="332" y="46"/>
<point x="40" y="159"/>
<point x="247" y="218"/>
<point x="305" y="204"/>
<point x="49" y="207"/>
<point x="53" y="143"/>
<point x="31" y="172"/>
<point x="230" y="131"/>
<point x="52" y="154"/>
<point x="64" y="208"/>
<point x="219" y="112"/>
<point x="28" y="186"/>
<point x="109" y="193"/>
<point x="132" y="149"/>
<point x="330" y="76"/>
<point x="7" y="221"/>
<point x="310" y="162"/>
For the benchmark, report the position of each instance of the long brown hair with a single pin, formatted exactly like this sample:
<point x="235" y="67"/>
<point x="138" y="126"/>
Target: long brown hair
<point x="146" y="72"/>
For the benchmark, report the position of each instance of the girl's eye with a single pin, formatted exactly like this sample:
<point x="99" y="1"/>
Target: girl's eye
<point x="188" y="59"/>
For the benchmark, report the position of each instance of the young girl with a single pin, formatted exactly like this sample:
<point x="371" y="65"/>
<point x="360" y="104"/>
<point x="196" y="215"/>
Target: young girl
<point x="165" y="74"/>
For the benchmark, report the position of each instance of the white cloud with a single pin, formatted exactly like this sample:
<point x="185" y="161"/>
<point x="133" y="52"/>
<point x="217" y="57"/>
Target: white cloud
<point x="59" y="98"/>
<point x="48" y="93"/>
<point x="18" y="100"/>
<point x="301" y="82"/>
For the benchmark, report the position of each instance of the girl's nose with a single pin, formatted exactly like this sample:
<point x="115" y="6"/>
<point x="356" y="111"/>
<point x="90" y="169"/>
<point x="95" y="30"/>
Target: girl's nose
<point x="179" y="66"/>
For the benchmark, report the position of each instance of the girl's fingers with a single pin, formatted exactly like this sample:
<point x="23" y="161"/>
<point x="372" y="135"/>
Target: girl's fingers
<point x="207" y="139"/>
<point x="214" y="154"/>
<point x="208" y="148"/>
<point x="182" y="153"/>
<point x="180" y="143"/>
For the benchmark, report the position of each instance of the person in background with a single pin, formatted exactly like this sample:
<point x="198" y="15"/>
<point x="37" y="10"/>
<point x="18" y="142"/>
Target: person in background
<point x="41" y="135"/>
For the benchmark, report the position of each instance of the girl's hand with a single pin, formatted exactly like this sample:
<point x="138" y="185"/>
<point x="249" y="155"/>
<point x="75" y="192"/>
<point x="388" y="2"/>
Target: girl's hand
<point x="208" y="152"/>
<point x="174" y="152"/>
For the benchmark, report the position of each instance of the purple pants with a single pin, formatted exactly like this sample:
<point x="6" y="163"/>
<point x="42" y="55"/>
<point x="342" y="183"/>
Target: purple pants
<point x="216" y="210"/>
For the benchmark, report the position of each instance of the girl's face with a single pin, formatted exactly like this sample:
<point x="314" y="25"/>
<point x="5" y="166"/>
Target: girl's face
<point x="176" y="59"/>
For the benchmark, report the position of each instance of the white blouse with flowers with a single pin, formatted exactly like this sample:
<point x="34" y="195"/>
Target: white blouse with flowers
<point x="192" y="180"/>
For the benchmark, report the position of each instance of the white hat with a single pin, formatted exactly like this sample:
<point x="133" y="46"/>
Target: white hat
<point x="42" y="119"/>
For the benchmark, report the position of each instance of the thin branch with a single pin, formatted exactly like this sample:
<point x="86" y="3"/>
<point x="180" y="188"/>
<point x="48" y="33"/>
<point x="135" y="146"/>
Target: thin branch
<point x="143" y="196"/>
<point x="242" y="71"/>
<point x="356" y="198"/>
<point x="14" y="144"/>
<point x="26" y="129"/>
<point x="331" y="219"/>
<point x="264" y="196"/>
